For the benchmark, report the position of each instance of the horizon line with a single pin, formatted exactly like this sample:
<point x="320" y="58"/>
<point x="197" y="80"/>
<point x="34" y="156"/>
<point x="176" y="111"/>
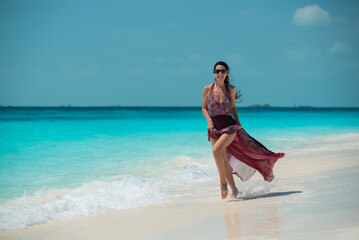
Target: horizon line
<point x="120" y="106"/>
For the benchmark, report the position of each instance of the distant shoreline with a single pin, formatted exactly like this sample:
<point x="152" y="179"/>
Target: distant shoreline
<point x="264" y="107"/>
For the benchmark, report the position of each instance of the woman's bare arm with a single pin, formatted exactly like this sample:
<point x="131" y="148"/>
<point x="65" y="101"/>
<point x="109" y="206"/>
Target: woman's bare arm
<point x="205" y="108"/>
<point x="233" y="107"/>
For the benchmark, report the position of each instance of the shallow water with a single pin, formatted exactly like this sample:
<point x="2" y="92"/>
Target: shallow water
<point x="66" y="162"/>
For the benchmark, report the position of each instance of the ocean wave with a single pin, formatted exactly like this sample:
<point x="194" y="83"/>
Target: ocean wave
<point x="93" y="197"/>
<point x="350" y="136"/>
<point x="320" y="144"/>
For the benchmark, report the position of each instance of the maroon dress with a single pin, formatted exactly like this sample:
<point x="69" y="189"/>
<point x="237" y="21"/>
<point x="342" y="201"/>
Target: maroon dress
<point x="245" y="154"/>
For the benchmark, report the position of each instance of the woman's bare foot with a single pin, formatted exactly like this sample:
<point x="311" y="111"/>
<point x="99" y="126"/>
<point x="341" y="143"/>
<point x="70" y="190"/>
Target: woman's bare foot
<point x="235" y="193"/>
<point x="224" y="190"/>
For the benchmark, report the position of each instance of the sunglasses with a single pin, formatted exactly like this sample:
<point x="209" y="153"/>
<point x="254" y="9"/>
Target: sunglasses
<point x="223" y="71"/>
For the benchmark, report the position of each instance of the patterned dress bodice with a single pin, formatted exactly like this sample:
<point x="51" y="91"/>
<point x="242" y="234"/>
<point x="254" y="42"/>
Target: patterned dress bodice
<point x="219" y="108"/>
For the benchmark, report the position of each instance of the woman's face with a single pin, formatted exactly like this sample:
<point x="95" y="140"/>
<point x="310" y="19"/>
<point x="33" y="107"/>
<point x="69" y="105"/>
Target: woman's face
<point x="220" y="73"/>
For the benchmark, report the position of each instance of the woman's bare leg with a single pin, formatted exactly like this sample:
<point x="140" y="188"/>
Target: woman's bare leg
<point x="221" y="171"/>
<point x="220" y="155"/>
<point x="229" y="175"/>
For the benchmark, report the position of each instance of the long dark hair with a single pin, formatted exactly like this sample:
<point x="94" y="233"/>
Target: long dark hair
<point x="226" y="80"/>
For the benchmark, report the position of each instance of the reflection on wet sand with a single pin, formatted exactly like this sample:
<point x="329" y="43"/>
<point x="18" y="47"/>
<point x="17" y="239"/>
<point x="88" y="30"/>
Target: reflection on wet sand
<point x="261" y="221"/>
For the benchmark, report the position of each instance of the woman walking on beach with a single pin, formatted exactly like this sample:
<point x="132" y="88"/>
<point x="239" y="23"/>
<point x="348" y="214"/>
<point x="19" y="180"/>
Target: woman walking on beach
<point x="234" y="151"/>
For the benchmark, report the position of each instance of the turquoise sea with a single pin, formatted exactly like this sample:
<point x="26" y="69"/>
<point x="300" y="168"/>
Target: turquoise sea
<point x="63" y="162"/>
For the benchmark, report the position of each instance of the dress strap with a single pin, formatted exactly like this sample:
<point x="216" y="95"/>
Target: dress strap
<point x="228" y="93"/>
<point x="211" y="92"/>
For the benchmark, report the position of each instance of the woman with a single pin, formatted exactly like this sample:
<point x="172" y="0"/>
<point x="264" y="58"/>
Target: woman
<point x="234" y="150"/>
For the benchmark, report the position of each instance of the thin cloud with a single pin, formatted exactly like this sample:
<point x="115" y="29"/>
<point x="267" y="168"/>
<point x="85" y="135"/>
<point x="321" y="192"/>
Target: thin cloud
<point x="311" y="16"/>
<point x="235" y="58"/>
<point x="305" y="52"/>
<point x="339" y="47"/>
<point x="194" y="57"/>
<point x="160" y="59"/>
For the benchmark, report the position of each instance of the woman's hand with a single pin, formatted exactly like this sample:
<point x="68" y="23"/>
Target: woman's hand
<point x="210" y="126"/>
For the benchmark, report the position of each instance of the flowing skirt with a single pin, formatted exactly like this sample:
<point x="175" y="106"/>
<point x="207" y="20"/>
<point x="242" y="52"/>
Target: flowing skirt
<point x="246" y="155"/>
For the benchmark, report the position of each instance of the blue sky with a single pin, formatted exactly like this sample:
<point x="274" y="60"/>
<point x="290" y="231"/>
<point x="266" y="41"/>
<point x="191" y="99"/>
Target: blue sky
<point x="161" y="53"/>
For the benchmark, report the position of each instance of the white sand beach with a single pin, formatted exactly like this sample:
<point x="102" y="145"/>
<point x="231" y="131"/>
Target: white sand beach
<point x="314" y="196"/>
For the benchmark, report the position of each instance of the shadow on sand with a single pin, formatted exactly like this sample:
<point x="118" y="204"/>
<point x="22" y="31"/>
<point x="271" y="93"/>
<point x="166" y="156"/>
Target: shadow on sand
<point x="268" y="195"/>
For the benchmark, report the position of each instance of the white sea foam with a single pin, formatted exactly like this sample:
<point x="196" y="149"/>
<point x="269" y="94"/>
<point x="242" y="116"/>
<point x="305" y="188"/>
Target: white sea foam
<point x="252" y="189"/>
<point x="191" y="170"/>
<point x="98" y="196"/>
<point x="45" y="206"/>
